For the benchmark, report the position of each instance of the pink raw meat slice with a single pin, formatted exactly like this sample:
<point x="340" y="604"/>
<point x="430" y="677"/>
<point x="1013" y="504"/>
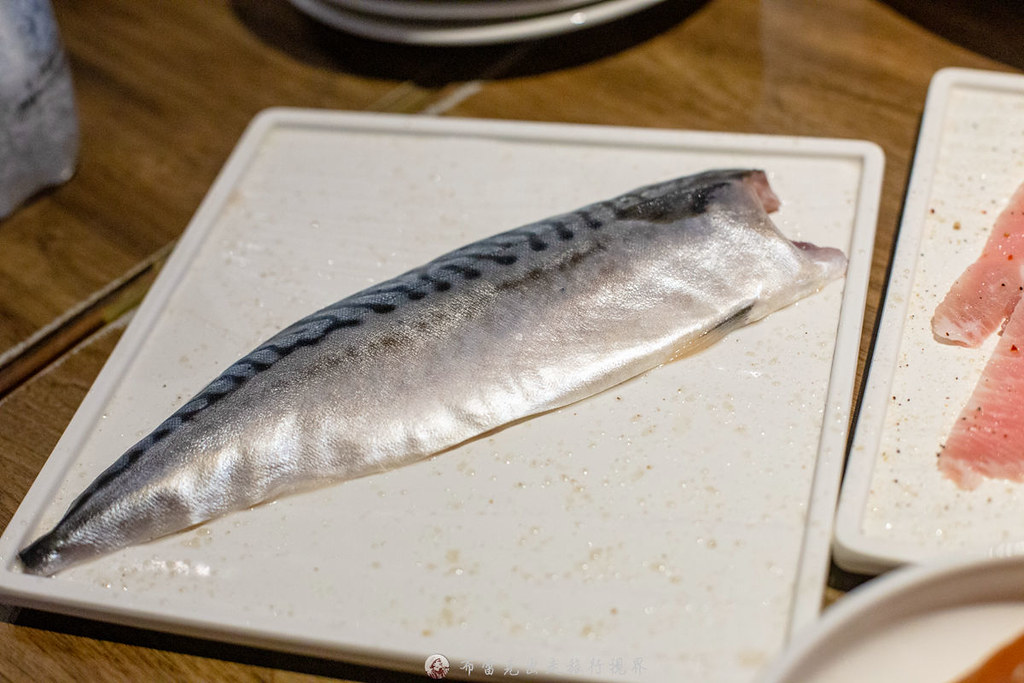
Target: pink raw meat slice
<point x="988" y="437"/>
<point x="985" y="294"/>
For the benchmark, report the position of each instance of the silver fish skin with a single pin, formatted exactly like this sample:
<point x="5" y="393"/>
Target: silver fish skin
<point x="511" y="326"/>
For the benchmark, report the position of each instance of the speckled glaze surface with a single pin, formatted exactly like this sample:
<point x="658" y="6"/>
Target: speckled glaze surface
<point x="673" y="528"/>
<point x="896" y="506"/>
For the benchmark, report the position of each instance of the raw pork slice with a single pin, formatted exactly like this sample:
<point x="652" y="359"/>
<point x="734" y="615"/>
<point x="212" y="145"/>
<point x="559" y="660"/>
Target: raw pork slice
<point x="988" y="437"/>
<point x="983" y="296"/>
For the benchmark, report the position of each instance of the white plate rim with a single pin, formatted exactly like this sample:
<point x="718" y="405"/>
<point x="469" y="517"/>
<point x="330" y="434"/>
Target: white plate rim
<point x="907" y="591"/>
<point x="854" y="551"/>
<point x="36" y="592"/>
<point x="420" y="33"/>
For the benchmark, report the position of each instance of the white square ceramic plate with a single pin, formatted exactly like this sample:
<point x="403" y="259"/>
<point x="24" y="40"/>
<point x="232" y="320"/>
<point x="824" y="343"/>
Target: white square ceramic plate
<point x="674" y="528"/>
<point x="896" y="506"/>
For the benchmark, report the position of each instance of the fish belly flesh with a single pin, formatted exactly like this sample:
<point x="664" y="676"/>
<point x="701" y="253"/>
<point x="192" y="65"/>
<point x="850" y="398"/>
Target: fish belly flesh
<point x="987" y="439"/>
<point x="982" y="298"/>
<point x="511" y="326"/>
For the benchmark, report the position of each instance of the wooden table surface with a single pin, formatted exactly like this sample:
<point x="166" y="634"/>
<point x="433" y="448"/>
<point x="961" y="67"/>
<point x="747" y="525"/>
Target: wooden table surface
<point x="165" y="88"/>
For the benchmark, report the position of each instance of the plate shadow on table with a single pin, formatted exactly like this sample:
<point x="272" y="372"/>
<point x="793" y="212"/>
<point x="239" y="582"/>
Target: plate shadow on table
<point x="284" y="28"/>
<point x="209" y="649"/>
<point x="988" y="27"/>
<point x="843" y="581"/>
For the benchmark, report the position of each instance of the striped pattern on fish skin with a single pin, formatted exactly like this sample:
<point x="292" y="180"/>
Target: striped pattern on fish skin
<point x="504" y="328"/>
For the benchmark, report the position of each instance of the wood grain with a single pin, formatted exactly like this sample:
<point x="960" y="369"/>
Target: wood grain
<point x="166" y="87"/>
<point x="33" y="417"/>
<point x="33" y="654"/>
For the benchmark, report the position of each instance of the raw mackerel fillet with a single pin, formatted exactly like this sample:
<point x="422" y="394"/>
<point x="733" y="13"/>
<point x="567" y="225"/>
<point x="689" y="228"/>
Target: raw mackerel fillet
<point x="987" y="439"/>
<point x="502" y="329"/>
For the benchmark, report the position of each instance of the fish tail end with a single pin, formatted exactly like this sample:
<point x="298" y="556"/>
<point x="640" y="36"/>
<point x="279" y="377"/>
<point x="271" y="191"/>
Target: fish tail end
<point x="42" y="557"/>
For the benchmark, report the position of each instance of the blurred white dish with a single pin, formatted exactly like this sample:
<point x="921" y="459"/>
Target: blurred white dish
<point x="462" y="10"/>
<point x="923" y="623"/>
<point x="896" y="506"/>
<point x="394" y="30"/>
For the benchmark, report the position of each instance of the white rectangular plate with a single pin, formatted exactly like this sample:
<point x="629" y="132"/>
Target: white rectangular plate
<point x="896" y="506"/>
<point x="674" y="528"/>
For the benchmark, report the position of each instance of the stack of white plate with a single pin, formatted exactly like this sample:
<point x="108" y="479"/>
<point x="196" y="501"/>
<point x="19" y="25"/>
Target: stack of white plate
<point x="465" y="22"/>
